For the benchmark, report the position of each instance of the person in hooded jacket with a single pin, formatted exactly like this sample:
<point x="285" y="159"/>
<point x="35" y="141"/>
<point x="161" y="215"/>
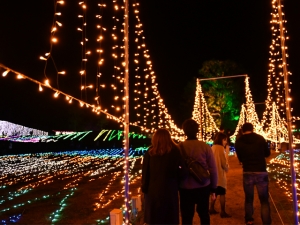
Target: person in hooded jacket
<point x="251" y="150"/>
<point x="163" y="168"/>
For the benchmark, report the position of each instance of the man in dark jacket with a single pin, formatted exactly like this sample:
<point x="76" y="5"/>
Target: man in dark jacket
<point x="251" y="150"/>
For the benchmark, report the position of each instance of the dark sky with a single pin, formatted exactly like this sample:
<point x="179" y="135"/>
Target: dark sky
<point x="180" y="36"/>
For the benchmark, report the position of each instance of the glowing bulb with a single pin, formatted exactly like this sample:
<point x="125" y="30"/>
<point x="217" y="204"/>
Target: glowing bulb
<point x="42" y="58"/>
<point x="58" y="23"/>
<point x="62" y="72"/>
<point x="47" y="83"/>
<point x="40" y="87"/>
<point x="20" y="76"/>
<point x="5" y="73"/>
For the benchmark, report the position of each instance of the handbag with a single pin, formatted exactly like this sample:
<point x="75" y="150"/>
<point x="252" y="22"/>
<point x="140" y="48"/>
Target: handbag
<point x="198" y="172"/>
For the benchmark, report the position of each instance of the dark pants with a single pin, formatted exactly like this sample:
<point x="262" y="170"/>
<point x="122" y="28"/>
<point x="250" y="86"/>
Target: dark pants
<point x="188" y="199"/>
<point x="261" y="181"/>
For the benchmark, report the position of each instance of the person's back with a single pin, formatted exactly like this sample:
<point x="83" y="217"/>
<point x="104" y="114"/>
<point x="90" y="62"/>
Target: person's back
<point x="251" y="150"/>
<point x="163" y="168"/>
<point x="193" y="193"/>
<point x="201" y="152"/>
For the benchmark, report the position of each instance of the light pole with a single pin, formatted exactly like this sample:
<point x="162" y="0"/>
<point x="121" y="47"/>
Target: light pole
<point x="288" y="114"/>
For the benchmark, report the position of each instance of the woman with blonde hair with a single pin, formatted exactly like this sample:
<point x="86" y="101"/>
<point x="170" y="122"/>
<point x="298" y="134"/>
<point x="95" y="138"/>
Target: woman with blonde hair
<point x="163" y="168"/>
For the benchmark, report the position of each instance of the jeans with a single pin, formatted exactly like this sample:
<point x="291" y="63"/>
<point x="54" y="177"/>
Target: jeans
<point x="189" y="198"/>
<point x="261" y="181"/>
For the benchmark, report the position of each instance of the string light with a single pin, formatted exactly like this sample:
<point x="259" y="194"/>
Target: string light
<point x="5" y="73"/>
<point x="202" y="115"/>
<point x="22" y="76"/>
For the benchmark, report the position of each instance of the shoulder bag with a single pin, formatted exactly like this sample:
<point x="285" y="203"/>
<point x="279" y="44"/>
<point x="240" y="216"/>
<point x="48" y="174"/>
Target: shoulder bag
<point x="196" y="169"/>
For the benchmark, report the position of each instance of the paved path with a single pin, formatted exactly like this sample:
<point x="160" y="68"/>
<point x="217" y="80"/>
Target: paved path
<point x="235" y="200"/>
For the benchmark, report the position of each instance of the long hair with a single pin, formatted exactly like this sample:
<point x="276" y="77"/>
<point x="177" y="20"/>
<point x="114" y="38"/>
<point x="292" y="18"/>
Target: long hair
<point x="162" y="142"/>
<point x="219" y="138"/>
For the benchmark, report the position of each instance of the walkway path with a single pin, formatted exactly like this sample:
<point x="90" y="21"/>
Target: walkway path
<point x="235" y="200"/>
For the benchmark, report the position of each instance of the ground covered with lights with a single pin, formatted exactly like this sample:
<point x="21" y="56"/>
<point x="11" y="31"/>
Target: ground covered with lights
<point x="76" y="187"/>
<point x="82" y="187"/>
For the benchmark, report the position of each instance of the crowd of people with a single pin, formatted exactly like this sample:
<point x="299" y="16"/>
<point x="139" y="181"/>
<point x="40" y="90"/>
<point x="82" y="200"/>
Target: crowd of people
<point x="170" y="189"/>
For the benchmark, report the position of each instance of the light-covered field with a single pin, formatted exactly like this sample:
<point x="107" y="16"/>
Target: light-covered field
<point x="279" y="169"/>
<point x="75" y="187"/>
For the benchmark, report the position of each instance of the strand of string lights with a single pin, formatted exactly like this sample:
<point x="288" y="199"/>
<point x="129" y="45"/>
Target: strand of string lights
<point x="152" y="118"/>
<point x="279" y="91"/>
<point x="84" y="51"/>
<point x="100" y="52"/>
<point x="53" y="39"/>
<point x="202" y="115"/>
<point x="248" y="113"/>
<point x="57" y="92"/>
<point x="275" y="82"/>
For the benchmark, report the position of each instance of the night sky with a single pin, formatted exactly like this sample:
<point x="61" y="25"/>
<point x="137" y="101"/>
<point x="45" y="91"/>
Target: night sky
<point x="180" y="36"/>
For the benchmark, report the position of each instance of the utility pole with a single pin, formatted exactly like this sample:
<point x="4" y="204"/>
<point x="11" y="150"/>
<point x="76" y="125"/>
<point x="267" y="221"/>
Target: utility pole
<point x="126" y="110"/>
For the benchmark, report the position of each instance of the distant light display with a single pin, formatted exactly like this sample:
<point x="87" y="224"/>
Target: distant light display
<point x="11" y="129"/>
<point x="17" y="133"/>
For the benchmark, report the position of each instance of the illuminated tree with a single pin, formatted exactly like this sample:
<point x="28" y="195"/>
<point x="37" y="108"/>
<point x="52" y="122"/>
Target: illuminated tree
<point x="224" y="97"/>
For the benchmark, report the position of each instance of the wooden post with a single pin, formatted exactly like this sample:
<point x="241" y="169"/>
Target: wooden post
<point x="116" y="217"/>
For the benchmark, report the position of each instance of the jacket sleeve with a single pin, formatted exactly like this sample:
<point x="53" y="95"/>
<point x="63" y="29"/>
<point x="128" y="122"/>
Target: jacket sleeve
<point x="238" y="151"/>
<point x="267" y="150"/>
<point x="183" y="169"/>
<point x="223" y="160"/>
<point x="211" y="162"/>
<point x="146" y="173"/>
